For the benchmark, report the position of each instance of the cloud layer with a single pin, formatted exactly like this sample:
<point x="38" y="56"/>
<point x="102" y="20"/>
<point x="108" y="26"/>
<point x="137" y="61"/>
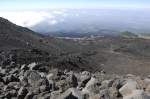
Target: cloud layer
<point x="31" y="18"/>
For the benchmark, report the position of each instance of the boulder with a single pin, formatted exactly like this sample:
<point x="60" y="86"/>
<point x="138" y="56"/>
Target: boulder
<point x="85" y="77"/>
<point x="91" y="87"/>
<point x="104" y="94"/>
<point x="10" y="94"/>
<point x="32" y="77"/>
<point x="113" y="92"/>
<point x="71" y="93"/>
<point x="43" y="95"/>
<point x="128" y="88"/>
<point x="72" y="80"/>
<point x="44" y="88"/>
<point x="10" y="78"/>
<point x="30" y="95"/>
<point x="14" y="71"/>
<point x="22" y="93"/>
<point x="24" y="67"/>
<point x="32" y="66"/>
<point x="137" y="94"/>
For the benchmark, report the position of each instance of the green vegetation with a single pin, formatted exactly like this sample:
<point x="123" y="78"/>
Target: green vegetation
<point x="145" y="35"/>
<point x="129" y="34"/>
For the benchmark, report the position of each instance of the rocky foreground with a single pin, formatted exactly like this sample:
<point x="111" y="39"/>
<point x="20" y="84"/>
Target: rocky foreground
<point x="33" y="81"/>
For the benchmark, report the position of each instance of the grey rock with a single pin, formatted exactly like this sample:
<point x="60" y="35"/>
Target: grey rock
<point x="44" y="88"/>
<point x="137" y="94"/>
<point x="71" y="93"/>
<point x="85" y="77"/>
<point x="24" y="67"/>
<point x="128" y="88"/>
<point x="10" y="94"/>
<point x="33" y="78"/>
<point x="104" y="94"/>
<point x="91" y="87"/>
<point x="30" y="95"/>
<point x="32" y="66"/>
<point x="22" y="93"/>
<point x="72" y="80"/>
<point x="10" y="78"/>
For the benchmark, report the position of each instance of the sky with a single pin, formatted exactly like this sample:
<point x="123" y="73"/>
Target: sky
<point x="47" y="4"/>
<point x="29" y="13"/>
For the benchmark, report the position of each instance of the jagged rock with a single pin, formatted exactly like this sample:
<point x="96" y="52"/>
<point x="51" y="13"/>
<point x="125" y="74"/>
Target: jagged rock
<point x="43" y="81"/>
<point x="54" y="74"/>
<point x="44" y="85"/>
<point x="71" y="93"/>
<point x="118" y="83"/>
<point x="104" y="94"/>
<point x="22" y="93"/>
<point x="1" y="84"/>
<point x="14" y="85"/>
<point x="113" y="92"/>
<point x="6" y="88"/>
<point x="10" y="78"/>
<point x="55" y="94"/>
<point x="32" y="66"/>
<point x="43" y="69"/>
<point x="128" y="88"/>
<point x="148" y="89"/>
<point x="137" y="94"/>
<point x="35" y="90"/>
<point x="10" y="94"/>
<point x="85" y="77"/>
<point x="24" y="67"/>
<point x="39" y="67"/>
<point x="50" y="76"/>
<point x="43" y="75"/>
<point x="2" y="96"/>
<point x="33" y="77"/>
<point x="30" y="95"/>
<point x="23" y="81"/>
<point x="1" y="79"/>
<point x="43" y="95"/>
<point x="107" y="83"/>
<point x="91" y="86"/>
<point x="72" y="80"/>
<point x="2" y="72"/>
<point x="44" y="88"/>
<point x="14" y="71"/>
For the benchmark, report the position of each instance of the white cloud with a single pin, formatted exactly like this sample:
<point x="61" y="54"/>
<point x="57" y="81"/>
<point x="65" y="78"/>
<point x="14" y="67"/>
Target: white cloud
<point x="62" y="20"/>
<point x="31" y="18"/>
<point x="58" y="12"/>
<point x="53" y="22"/>
<point x="26" y="18"/>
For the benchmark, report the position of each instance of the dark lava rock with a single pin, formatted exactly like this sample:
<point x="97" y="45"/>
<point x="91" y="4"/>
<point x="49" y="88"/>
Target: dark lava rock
<point x="33" y="77"/>
<point x="22" y="93"/>
<point x="10" y="78"/>
<point x="72" y="80"/>
<point x="30" y="95"/>
<point x="10" y="94"/>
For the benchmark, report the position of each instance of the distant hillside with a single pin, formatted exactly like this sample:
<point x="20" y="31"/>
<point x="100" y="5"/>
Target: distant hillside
<point x="145" y="35"/>
<point x="23" y="46"/>
<point x="128" y="34"/>
<point x="115" y="54"/>
<point x="13" y="36"/>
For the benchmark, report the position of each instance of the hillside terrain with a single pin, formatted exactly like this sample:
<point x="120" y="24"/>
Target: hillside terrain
<point x="34" y="66"/>
<point x="114" y="54"/>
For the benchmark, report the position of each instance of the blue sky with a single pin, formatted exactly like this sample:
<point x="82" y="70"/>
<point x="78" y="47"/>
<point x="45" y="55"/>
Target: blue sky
<point x="44" y="4"/>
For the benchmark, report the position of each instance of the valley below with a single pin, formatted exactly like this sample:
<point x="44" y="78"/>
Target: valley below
<point x="35" y="66"/>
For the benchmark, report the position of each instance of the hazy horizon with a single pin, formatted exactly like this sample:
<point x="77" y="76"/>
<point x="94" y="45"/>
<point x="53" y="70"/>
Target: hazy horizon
<point x="78" y="15"/>
<point x="48" y="4"/>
